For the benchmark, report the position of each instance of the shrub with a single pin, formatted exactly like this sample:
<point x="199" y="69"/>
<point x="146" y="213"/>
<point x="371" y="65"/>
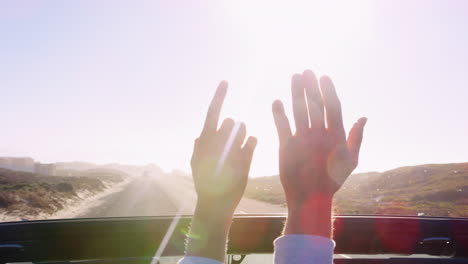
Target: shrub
<point x="37" y="201"/>
<point x="65" y="187"/>
<point x="6" y="199"/>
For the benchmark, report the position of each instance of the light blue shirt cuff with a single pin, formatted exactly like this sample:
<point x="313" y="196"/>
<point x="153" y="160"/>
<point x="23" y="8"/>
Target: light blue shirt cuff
<point x="198" y="260"/>
<point x="289" y="249"/>
<point x="303" y="249"/>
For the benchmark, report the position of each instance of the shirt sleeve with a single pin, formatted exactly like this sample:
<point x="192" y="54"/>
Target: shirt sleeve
<point x="197" y="260"/>
<point x="303" y="249"/>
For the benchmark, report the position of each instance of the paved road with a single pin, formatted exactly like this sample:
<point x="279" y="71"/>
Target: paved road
<point x="156" y="196"/>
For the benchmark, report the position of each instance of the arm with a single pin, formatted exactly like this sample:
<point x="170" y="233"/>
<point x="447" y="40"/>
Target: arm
<point x="220" y="167"/>
<point x="316" y="160"/>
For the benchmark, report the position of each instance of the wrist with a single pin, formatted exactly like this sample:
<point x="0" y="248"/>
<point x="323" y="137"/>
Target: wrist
<point x="209" y="232"/>
<point x="311" y="202"/>
<point x="213" y="211"/>
<point x="310" y="217"/>
<point x="215" y="219"/>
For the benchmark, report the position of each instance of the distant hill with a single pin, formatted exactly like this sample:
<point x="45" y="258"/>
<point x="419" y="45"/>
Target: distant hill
<point x="430" y="189"/>
<point x="75" y="165"/>
<point x="105" y="174"/>
<point x="132" y="170"/>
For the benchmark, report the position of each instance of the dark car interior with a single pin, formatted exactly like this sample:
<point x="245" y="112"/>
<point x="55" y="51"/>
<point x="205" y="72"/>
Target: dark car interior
<point x="379" y="239"/>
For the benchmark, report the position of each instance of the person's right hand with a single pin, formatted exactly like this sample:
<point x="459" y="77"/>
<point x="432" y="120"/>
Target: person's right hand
<point x="317" y="159"/>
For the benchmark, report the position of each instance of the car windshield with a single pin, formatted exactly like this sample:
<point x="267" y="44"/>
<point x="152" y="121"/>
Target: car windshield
<point x="102" y="101"/>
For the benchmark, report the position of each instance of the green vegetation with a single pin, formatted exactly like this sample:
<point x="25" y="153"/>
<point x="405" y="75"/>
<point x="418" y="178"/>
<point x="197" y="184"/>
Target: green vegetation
<point x="23" y="193"/>
<point x="430" y="190"/>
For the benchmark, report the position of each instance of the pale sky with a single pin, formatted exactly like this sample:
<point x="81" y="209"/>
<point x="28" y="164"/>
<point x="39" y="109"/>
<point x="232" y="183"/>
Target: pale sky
<point x="130" y="81"/>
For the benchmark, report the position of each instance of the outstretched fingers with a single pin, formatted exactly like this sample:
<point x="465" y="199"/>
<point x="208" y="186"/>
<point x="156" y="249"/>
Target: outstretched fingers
<point x="355" y="138"/>
<point x="314" y="99"/>
<point x="212" y="116"/>
<point x="240" y="132"/>
<point x="225" y="130"/>
<point x="281" y="122"/>
<point x="333" y="109"/>
<point x="235" y="142"/>
<point x="248" y="150"/>
<point x="301" y="116"/>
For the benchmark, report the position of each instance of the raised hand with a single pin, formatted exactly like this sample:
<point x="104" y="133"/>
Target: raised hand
<point x="316" y="160"/>
<point x="220" y="167"/>
<point x="220" y="164"/>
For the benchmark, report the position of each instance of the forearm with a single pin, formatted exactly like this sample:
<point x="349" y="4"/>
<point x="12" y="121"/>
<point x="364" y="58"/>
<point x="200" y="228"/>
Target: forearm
<point x="313" y="217"/>
<point x="209" y="232"/>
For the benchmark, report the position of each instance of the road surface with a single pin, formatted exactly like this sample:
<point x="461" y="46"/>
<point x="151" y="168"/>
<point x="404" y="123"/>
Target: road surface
<point x="160" y="196"/>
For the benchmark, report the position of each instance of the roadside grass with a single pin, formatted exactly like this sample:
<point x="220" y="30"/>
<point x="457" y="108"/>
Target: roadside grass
<point x="24" y="193"/>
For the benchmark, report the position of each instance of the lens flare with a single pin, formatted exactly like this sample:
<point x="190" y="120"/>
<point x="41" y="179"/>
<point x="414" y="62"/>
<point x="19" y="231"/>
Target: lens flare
<point x="175" y="221"/>
<point x="168" y="234"/>
<point x="227" y="148"/>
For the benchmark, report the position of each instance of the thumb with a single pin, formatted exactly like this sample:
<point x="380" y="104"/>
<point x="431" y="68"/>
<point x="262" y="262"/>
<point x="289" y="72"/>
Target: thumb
<point x="355" y="138"/>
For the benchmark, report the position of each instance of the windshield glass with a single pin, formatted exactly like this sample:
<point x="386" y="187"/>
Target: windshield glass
<point x="102" y="101"/>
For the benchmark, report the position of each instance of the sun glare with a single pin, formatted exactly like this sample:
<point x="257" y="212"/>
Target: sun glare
<point x="294" y="33"/>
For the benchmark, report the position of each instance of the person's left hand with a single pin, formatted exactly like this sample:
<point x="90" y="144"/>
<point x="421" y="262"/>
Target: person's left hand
<point x="220" y="168"/>
<point x="220" y="162"/>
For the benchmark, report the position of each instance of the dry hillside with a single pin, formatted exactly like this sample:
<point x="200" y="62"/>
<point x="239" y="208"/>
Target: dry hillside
<point x="431" y="189"/>
<point x="25" y="193"/>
